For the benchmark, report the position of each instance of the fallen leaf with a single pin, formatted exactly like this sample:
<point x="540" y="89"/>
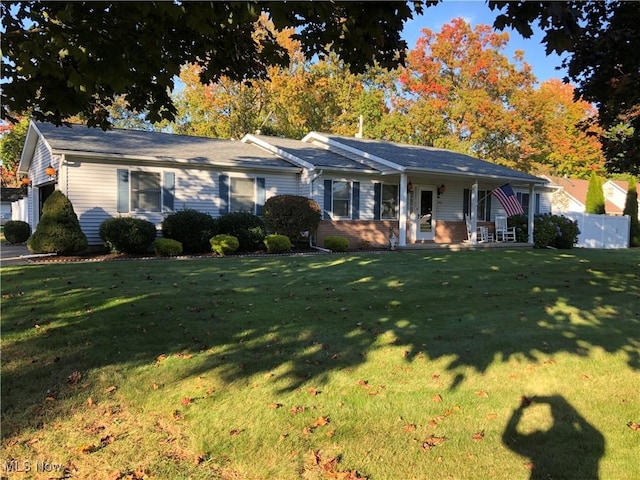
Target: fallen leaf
<point x="530" y="465"/>
<point x="363" y="383"/>
<point x="492" y="416"/>
<point x="104" y="441"/>
<point x="86" y="448"/>
<point x="283" y="436"/>
<point x="112" y="388"/>
<point x="307" y="430"/>
<point x="186" y="401"/>
<point x="320" y="422"/>
<point x="275" y="406"/>
<point x="435" y="376"/>
<point x="478" y="435"/>
<point x="330" y="433"/>
<point x="433" y="441"/>
<point x="297" y="409"/>
<point x="410" y="427"/>
<point x="634" y="426"/>
<point x="90" y="402"/>
<point x="313" y="392"/>
<point x="74" y="378"/>
<point x="155" y="386"/>
<point x="437" y="398"/>
<point x="236" y="431"/>
<point x="524" y="401"/>
<point x="482" y="394"/>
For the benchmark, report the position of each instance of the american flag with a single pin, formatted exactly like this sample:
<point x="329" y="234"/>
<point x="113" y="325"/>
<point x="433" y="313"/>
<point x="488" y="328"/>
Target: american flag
<point x="508" y="199"/>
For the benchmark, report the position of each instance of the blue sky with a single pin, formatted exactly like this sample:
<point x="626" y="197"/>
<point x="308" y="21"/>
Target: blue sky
<point x="478" y="12"/>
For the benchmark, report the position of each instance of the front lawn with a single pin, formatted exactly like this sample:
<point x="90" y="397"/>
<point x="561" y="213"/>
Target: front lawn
<point x="465" y="365"/>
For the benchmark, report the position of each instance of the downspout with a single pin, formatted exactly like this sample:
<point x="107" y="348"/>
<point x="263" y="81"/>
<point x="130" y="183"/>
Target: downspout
<point x="313" y="179"/>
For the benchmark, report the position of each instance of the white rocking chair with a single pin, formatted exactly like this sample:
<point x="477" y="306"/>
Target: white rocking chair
<point x="482" y="233"/>
<point x="503" y="232"/>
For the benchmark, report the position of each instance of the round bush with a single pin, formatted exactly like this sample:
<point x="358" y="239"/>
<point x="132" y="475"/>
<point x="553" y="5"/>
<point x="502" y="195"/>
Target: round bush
<point x="246" y="227"/>
<point x="127" y="234"/>
<point x="336" y="244"/>
<point x="224" y="244"/>
<point x="277" y="243"/>
<point x="58" y="230"/>
<point x="191" y="228"/>
<point x="291" y="215"/>
<point x="16" y="231"/>
<point x="167" y="247"/>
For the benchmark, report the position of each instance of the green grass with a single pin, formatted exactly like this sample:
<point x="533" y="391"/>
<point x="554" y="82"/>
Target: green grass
<point x="382" y="366"/>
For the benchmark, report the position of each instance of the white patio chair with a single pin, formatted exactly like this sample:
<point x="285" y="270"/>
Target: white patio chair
<point x="482" y="233"/>
<point x="504" y="233"/>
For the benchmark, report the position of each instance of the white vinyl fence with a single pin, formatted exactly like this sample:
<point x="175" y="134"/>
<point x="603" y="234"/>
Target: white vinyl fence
<point x="601" y="231"/>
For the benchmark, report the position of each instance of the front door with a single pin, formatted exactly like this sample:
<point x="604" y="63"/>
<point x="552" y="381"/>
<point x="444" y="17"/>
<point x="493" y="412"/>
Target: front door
<point x="425" y="214"/>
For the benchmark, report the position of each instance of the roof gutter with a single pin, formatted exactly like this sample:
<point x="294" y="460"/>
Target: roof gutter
<point x="164" y="161"/>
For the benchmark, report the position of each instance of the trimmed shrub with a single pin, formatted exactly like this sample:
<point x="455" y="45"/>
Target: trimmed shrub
<point x="595" y="196"/>
<point x="59" y="229"/>
<point x="291" y="215"/>
<point x="16" y="231"/>
<point x="167" y="247"/>
<point x="246" y="227"/>
<point x="631" y="209"/>
<point x="336" y="244"/>
<point x="277" y="243"/>
<point x="191" y="228"/>
<point x="224" y="244"/>
<point x="127" y="234"/>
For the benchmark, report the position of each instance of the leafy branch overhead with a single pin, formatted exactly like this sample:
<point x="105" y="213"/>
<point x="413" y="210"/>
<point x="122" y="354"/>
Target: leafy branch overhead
<point x="69" y="58"/>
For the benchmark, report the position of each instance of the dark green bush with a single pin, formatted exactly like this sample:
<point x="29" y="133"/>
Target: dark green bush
<point x="167" y="247"/>
<point x="224" y="244"/>
<point x="336" y="244"/>
<point x="191" y="228"/>
<point x="246" y="227"/>
<point x="127" y="234"/>
<point x="59" y="229"/>
<point x="277" y="243"/>
<point x="549" y="230"/>
<point x="291" y="215"/>
<point x="16" y="231"/>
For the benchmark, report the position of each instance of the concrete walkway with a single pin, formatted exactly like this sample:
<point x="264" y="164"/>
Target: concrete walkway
<point x="14" y="255"/>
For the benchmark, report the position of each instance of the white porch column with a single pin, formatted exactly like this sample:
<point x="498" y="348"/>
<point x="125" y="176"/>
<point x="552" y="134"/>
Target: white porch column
<point x="473" y="214"/>
<point x="404" y="209"/>
<point x="532" y="211"/>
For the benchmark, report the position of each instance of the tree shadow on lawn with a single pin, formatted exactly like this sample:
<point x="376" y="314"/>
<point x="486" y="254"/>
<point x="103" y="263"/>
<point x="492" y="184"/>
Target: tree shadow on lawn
<point x="330" y="313"/>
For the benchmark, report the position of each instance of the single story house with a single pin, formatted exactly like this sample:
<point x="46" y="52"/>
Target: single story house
<point x="366" y="188"/>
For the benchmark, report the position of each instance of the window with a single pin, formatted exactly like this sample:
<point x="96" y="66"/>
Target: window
<point x="242" y="195"/>
<point x="389" y="202"/>
<point x="523" y="198"/>
<point x="484" y="204"/>
<point x="341" y="199"/>
<point x="146" y="191"/>
<point x="238" y="194"/>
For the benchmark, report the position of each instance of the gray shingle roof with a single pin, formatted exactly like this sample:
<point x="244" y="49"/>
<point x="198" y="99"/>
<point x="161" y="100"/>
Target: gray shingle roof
<point x="320" y="156"/>
<point x="156" y="145"/>
<point x="428" y="159"/>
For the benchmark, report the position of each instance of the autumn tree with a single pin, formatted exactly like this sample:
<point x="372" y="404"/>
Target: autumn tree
<point x="11" y="143"/>
<point x="464" y="85"/>
<point x="559" y="134"/>
<point x="595" y="195"/>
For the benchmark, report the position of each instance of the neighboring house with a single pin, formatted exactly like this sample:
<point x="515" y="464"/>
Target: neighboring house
<point x="570" y="195"/>
<point x="366" y="188"/>
<point x="8" y="197"/>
